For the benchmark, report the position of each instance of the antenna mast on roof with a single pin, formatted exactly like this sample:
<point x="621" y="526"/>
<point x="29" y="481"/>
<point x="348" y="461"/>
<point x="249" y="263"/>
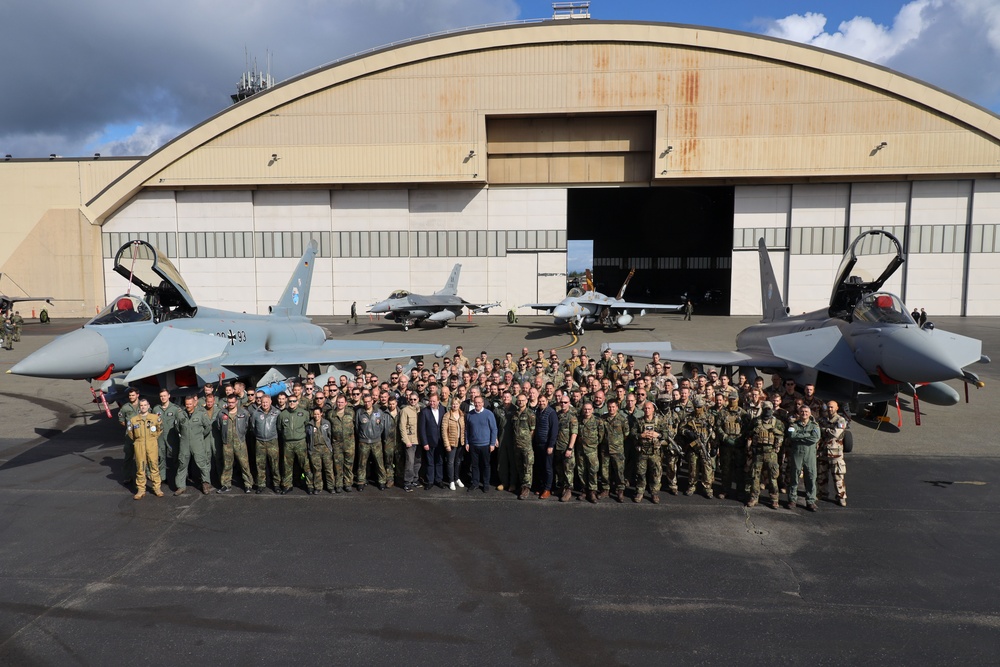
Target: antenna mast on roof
<point x="253" y="80"/>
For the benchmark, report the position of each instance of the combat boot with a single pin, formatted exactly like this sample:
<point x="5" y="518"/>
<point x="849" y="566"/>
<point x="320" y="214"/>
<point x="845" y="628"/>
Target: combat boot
<point x="620" y="496"/>
<point x="566" y="495"/>
<point x="525" y="491"/>
<point x="591" y="497"/>
<point x="656" y="499"/>
<point x="602" y="494"/>
<point x="774" y="503"/>
<point x="139" y="494"/>
<point x="842" y="502"/>
<point x="690" y="491"/>
<point x="180" y="491"/>
<point x="638" y="497"/>
<point x="752" y="502"/>
<point x="206" y="488"/>
<point x="157" y="492"/>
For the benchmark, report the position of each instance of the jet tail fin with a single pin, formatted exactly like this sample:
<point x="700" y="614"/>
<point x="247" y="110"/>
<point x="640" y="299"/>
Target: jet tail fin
<point x="295" y="299"/>
<point x="451" y="287"/>
<point x="772" y="307"/>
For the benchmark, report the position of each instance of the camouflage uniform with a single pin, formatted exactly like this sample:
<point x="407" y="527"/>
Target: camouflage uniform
<point x="617" y="430"/>
<point x="390" y="446"/>
<point x="565" y="465"/>
<point x="343" y="447"/>
<point x="233" y="434"/>
<point x="292" y="427"/>
<point x="669" y="456"/>
<point x="588" y="440"/>
<point x="144" y="431"/>
<point x="523" y="427"/>
<point x="830" y="458"/>
<point x="697" y="428"/>
<point x="766" y="435"/>
<point x="649" y="462"/>
<point x="319" y="444"/>
<point x="192" y="430"/>
<point x="730" y="424"/>
<point x="18" y="323"/>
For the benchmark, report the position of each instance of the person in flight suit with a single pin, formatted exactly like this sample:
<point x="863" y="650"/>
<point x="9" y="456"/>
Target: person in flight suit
<point x="144" y="432"/>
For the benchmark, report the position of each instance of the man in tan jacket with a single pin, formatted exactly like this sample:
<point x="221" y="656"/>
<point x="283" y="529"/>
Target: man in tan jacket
<point x="408" y="435"/>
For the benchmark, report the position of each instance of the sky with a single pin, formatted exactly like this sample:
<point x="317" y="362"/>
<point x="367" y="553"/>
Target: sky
<point x="123" y="78"/>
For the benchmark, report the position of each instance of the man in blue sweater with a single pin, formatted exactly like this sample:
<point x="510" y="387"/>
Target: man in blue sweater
<point x="480" y="441"/>
<point x="546" y="433"/>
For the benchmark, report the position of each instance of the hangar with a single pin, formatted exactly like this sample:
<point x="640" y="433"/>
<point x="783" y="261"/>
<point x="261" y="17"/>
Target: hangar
<point x="674" y="147"/>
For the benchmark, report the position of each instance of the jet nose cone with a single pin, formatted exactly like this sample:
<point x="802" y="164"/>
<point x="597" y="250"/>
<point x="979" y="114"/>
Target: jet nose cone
<point x="912" y="355"/>
<point x="81" y="354"/>
<point x="563" y="312"/>
<point x="380" y="307"/>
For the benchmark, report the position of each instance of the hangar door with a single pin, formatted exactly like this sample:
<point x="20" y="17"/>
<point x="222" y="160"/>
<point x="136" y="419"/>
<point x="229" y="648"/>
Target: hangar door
<point x="679" y="239"/>
<point x="565" y="149"/>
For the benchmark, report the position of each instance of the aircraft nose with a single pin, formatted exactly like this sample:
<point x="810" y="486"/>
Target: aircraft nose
<point x="380" y="307"/>
<point x="912" y="355"/>
<point x="563" y="312"/>
<point x="80" y="354"/>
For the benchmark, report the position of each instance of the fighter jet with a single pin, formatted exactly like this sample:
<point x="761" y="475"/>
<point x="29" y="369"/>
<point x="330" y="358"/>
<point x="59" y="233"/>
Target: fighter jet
<point x="7" y="302"/>
<point x="411" y="309"/>
<point x="164" y="336"/>
<point x="864" y="348"/>
<point x="589" y="306"/>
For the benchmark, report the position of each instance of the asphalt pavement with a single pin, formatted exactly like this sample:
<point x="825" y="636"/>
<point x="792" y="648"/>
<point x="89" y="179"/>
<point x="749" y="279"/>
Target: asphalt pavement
<point x="906" y="574"/>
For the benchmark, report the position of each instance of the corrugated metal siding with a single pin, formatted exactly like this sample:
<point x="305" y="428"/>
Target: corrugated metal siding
<point x="726" y="115"/>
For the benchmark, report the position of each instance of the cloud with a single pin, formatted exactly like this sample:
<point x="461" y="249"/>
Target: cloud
<point x="953" y="44"/>
<point x="163" y="67"/>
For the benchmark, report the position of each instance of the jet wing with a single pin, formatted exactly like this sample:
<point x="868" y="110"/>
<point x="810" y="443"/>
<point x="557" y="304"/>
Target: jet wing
<point x="178" y="348"/>
<point x="18" y="299"/>
<point x="627" y="305"/>
<point x="823" y="349"/>
<point x="334" y="351"/>
<point x="480" y="307"/>
<point x="710" y="357"/>
<point x="547" y="307"/>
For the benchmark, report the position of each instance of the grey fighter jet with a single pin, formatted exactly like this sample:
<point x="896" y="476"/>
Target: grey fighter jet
<point x="411" y="309"/>
<point x="864" y="348"/>
<point x="588" y="307"/>
<point x="164" y="336"/>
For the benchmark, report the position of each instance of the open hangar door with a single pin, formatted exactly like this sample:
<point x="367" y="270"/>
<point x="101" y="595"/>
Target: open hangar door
<point x="679" y="239"/>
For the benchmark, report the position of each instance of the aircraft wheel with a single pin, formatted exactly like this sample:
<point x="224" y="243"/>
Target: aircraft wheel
<point x="406" y="327"/>
<point x="848" y="442"/>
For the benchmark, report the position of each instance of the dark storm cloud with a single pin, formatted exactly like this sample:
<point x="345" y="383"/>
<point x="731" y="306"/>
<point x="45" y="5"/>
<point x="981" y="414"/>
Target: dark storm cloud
<point x="76" y="68"/>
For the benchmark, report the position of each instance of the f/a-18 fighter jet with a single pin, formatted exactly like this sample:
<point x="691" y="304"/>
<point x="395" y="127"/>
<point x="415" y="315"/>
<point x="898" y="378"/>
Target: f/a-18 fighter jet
<point x="163" y="335"/>
<point x="411" y="309"/>
<point x="864" y="348"/>
<point x="586" y="307"/>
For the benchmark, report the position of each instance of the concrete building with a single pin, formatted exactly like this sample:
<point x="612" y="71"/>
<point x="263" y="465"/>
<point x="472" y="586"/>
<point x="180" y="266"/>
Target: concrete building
<point x="674" y="147"/>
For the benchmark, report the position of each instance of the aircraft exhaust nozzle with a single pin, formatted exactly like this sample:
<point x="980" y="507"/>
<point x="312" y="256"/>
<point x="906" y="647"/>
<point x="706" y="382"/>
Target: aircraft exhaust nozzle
<point x="442" y="316"/>
<point x="624" y="320"/>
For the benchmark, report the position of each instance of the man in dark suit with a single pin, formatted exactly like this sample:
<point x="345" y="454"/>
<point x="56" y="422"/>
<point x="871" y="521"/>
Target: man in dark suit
<point x="429" y="436"/>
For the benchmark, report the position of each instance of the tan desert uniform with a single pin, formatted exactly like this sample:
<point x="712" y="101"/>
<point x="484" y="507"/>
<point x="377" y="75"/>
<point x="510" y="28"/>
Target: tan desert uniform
<point x="144" y="431"/>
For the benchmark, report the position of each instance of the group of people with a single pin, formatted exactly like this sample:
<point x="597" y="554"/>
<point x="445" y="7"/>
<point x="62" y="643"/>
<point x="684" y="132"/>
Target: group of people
<point x="11" y="324"/>
<point x="535" y="425"/>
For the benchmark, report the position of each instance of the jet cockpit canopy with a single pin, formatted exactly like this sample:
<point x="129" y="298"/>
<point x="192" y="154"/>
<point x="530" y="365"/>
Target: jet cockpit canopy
<point x="882" y="308"/>
<point x="868" y="263"/>
<point x="399" y="294"/>
<point x="126" y="308"/>
<point x="166" y="292"/>
<point x="574" y="293"/>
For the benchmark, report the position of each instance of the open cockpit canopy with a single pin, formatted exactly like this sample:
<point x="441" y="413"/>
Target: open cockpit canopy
<point x="868" y="263"/>
<point x="166" y="292"/>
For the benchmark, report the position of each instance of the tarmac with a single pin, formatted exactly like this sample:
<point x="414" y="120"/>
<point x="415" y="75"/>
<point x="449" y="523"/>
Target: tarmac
<point x="906" y="574"/>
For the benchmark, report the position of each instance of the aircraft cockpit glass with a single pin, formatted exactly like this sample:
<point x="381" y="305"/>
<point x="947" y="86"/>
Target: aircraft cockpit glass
<point x="868" y="263"/>
<point x="166" y="292"/>
<point x="399" y="294"/>
<point x="574" y="293"/>
<point x="882" y="308"/>
<point x="126" y="308"/>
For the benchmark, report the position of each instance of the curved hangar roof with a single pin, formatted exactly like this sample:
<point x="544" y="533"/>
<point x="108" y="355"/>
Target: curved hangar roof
<point x="573" y="102"/>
